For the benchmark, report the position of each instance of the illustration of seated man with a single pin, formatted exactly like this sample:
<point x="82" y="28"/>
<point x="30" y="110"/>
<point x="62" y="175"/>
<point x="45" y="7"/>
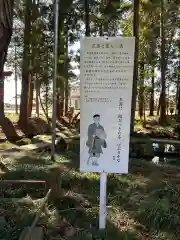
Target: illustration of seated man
<point x="96" y="140"/>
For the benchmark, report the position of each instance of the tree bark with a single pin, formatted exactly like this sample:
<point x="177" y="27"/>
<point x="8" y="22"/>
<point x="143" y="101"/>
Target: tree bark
<point x="141" y="90"/>
<point x="46" y="100"/>
<point x="30" y="95"/>
<point x="162" y="118"/>
<point x="58" y="105"/>
<point x="37" y="104"/>
<point x="136" y="54"/>
<point x="177" y="92"/>
<point x="2" y="114"/>
<point x="37" y="96"/>
<point x="15" y="76"/>
<point x="61" y="103"/>
<point x="6" y="19"/>
<point x="67" y="78"/>
<point x="60" y="69"/>
<point x="178" y="102"/>
<point x="159" y="105"/>
<point x="151" y="103"/>
<point x="87" y="22"/>
<point x="44" y="110"/>
<point x="26" y="126"/>
<point x="167" y="101"/>
<point x="23" y="117"/>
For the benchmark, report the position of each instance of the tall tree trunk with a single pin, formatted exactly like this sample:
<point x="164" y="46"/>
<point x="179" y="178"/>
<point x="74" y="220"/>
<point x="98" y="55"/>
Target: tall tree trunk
<point x="159" y="105"/>
<point x="46" y="100"/>
<point x="61" y="103"/>
<point x="37" y="104"/>
<point x="136" y="54"/>
<point x="6" y="18"/>
<point x="30" y="95"/>
<point x="106" y="27"/>
<point x="177" y="93"/>
<point x="15" y="76"/>
<point x="60" y="97"/>
<point x="141" y="90"/>
<point x="37" y="96"/>
<point x="66" y="107"/>
<point x="100" y="29"/>
<point x="2" y="114"/>
<point x="87" y="22"/>
<point x="23" y="117"/>
<point x="178" y="101"/>
<point x="67" y="78"/>
<point x="60" y="69"/>
<point x="26" y="126"/>
<point x="57" y="106"/>
<point x="167" y="101"/>
<point x="151" y="103"/>
<point x="144" y="114"/>
<point x="162" y="118"/>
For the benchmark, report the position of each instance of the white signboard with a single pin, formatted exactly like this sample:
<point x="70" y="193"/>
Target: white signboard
<point x="106" y="70"/>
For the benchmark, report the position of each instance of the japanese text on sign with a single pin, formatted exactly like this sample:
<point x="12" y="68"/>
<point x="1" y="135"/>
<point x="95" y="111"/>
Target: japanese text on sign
<point x="106" y="74"/>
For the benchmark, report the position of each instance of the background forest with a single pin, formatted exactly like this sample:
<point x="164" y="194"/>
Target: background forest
<point x="143" y="204"/>
<point x="155" y="24"/>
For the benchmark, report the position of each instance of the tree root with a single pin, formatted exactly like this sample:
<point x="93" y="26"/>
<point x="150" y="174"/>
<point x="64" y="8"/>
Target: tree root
<point x="9" y="130"/>
<point x="28" y="128"/>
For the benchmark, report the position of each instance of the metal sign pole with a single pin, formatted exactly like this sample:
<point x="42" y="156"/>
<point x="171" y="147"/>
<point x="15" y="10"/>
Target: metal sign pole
<point x="56" y="28"/>
<point x="103" y="191"/>
<point x="103" y="201"/>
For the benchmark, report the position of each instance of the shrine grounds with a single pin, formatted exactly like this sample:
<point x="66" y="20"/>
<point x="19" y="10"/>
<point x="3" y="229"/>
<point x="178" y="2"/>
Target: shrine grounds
<point x="141" y="205"/>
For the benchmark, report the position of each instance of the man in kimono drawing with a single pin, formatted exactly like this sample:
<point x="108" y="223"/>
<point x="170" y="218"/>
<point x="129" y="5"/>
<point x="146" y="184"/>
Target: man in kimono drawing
<point x="96" y="140"/>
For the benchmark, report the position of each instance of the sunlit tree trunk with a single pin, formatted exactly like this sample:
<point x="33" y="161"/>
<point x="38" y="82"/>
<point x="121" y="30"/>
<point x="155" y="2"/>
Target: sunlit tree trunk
<point x="30" y="95"/>
<point x="60" y="93"/>
<point x="177" y="92"/>
<point x="159" y="105"/>
<point x="15" y="78"/>
<point x="61" y="103"/>
<point x="23" y="117"/>
<point x="168" y="101"/>
<point x="67" y="78"/>
<point x="178" y="101"/>
<point x="57" y="106"/>
<point x="2" y="114"/>
<point x="6" y="18"/>
<point x="6" y="8"/>
<point x="136" y="54"/>
<point x="46" y="99"/>
<point x="37" y="96"/>
<point x="152" y="62"/>
<point x="151" y="103"/>
<point x="60" y="69"/>
<point x="162" y="118"/>
<point x="141" y="90"/>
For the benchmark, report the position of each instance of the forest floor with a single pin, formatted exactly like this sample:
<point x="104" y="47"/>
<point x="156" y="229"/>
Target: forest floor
<point x="149" y="128"/>
<point x="142" y="205"/>
<point x="152" y="128"/>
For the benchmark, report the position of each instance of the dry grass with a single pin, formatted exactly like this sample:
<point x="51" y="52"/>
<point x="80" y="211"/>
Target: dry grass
<point x="142" y="205"/>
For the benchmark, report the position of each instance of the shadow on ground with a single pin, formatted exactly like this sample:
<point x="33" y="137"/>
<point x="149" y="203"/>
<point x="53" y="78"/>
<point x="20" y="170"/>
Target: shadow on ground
<point x="147" y="198"/>
<point x="141" y="205"/>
